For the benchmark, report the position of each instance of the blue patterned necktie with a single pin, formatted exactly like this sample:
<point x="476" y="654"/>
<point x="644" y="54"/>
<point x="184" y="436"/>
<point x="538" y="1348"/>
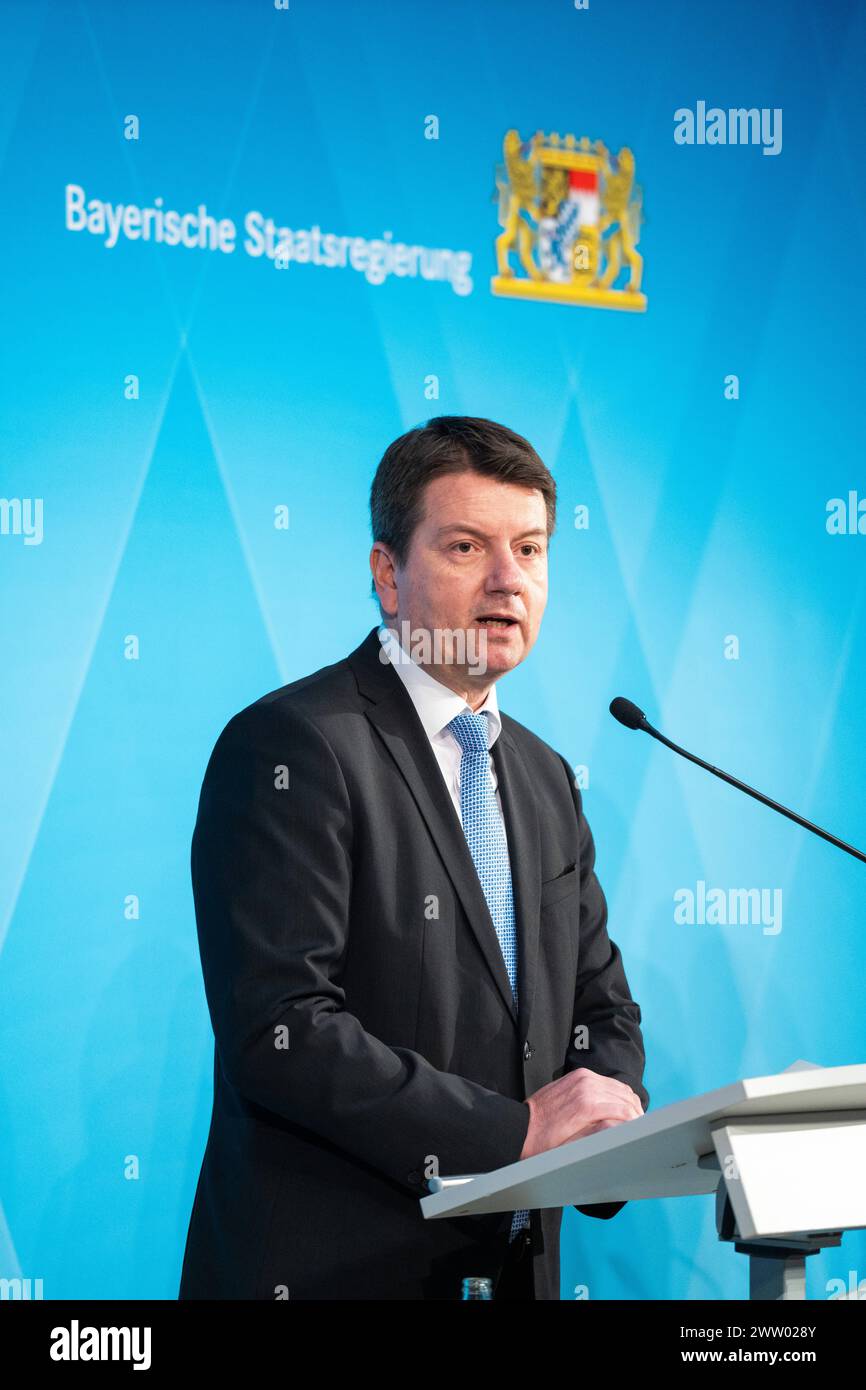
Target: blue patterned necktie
<point x="485" y="835"/>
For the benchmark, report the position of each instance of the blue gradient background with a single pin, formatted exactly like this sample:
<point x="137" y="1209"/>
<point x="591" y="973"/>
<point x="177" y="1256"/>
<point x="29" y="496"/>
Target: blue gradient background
<point x="260" y="388"/>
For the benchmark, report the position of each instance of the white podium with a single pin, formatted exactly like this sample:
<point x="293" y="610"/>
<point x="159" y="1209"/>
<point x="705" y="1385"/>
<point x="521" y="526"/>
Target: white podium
<point x="785" y="1155"/>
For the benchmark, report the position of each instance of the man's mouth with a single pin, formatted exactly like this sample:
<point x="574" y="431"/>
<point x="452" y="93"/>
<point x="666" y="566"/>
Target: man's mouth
<point x="496" y="620"/>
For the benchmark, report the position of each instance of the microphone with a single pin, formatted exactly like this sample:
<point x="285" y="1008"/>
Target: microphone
<point x="628" y="714"/>
<point x="633" y="718"/>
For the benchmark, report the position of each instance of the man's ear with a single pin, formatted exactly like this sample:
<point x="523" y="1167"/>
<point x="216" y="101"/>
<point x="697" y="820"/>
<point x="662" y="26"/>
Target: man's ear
<point x="384" y="579"/>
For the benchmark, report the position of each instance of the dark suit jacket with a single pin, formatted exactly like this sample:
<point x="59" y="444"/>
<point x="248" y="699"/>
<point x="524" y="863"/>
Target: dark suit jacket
<point x="365" y="1029"/>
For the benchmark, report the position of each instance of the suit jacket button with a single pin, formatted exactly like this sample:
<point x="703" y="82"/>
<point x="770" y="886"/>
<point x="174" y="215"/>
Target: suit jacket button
<point x="527" y="1051"/>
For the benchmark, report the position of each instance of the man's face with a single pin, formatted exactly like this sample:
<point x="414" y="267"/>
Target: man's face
<point x="478" y="552"/>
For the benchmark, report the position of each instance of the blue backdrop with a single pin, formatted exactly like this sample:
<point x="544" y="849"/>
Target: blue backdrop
<point x="161" y="401"/>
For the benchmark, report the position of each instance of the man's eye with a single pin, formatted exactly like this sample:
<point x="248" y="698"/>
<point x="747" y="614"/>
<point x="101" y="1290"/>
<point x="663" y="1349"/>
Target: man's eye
<point x="469" y="543"/>
<point x="531" y="549"/>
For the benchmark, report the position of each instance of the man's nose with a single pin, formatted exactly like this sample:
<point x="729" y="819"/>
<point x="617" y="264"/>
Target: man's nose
<point x="505" y="574"/>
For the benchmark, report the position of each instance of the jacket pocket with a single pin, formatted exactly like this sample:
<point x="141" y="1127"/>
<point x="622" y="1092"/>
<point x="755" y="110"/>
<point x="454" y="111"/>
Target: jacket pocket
<point x="556" y="888"/>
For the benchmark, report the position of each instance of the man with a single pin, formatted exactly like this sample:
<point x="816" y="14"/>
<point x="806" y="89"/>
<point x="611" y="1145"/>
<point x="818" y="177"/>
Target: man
<point x="403" y="940"/>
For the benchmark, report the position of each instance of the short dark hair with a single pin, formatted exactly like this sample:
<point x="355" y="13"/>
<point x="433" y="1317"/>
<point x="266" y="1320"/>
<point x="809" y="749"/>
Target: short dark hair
<point x="448" y="444"/>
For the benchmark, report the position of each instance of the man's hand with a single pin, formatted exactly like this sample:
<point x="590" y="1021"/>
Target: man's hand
<point x="578" y="1104"/>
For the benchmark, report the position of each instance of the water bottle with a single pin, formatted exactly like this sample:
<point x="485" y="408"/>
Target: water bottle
<point x="476" y="1287"/>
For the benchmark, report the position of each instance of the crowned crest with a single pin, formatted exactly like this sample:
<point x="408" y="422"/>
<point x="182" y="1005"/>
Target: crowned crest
<point x="571" y="215"/>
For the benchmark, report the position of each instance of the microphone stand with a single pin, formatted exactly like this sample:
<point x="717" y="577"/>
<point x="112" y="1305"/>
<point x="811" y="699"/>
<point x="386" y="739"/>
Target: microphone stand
<point x="647" y="728"/>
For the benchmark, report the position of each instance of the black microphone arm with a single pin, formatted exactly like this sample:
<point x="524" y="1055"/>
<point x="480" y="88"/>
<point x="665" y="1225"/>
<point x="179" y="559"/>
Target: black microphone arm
<point x="634" y="718"/>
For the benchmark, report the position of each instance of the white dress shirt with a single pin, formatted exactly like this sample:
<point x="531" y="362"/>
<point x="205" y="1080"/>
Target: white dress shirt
<point x="436" y="706"/>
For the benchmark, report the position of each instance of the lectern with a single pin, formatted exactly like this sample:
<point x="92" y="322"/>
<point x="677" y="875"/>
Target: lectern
<point x="785" y="1156"/>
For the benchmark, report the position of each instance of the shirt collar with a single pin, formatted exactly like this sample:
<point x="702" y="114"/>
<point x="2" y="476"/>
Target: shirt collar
<point x="436" y="704"/>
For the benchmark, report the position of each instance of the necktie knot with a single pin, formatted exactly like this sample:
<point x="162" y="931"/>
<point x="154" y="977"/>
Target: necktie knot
<point x="470" y="731"/>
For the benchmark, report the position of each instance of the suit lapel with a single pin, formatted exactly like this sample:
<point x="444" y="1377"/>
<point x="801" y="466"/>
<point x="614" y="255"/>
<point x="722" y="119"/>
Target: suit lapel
<point x="394" y="717"/>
